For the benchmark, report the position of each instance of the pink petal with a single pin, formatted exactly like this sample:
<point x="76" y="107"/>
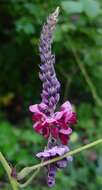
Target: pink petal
<point x="68" y="115"/>
<point x="66" y="106"/>
<point x="58" y="115"/>
<point x="42" y="106"/>
<point x="34" y="108"/>
<point x="66" y="131"/>
<point x="50" y="120"/>
<point x="65" y="114"/>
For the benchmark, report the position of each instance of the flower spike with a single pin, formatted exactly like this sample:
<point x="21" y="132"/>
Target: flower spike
<point x="54" y="126"/>
<point x="51" y="85"/>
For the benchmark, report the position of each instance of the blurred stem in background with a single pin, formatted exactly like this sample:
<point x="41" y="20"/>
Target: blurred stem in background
<point x="82" y="68"/>
<point x="69" y="80"/>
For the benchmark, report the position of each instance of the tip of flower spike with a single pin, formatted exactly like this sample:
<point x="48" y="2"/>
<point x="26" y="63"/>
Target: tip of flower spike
<point x="56" y="12"/>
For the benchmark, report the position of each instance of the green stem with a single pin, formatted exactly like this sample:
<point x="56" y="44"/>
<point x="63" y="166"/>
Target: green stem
<point x="30" y="179"/>
<point x="24" y="172"/>
<point x="22" y="185"/>
<point x="8" y="171"/>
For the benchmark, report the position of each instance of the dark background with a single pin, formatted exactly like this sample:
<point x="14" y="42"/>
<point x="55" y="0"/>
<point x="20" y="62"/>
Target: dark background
<point x="78" y="48"/>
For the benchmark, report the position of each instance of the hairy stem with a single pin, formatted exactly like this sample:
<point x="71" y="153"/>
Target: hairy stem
<point x="29" y="180"/>
<point x="8" y="171"/>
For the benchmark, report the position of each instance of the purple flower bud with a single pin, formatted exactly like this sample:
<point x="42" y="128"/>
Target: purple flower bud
<point x="50" y="181"/>
<point x="51" y="86"/>
<point x="52" y="170"/>
<point x="62" y="163"/>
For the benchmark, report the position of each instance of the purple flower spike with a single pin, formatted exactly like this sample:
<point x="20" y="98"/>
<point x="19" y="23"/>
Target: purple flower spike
<point x="54" y="126"/>
<point x="51" y="86"/>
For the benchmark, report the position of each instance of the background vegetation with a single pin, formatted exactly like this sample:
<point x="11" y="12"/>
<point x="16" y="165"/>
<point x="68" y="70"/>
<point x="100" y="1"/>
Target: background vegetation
<point x="78" y="48"/>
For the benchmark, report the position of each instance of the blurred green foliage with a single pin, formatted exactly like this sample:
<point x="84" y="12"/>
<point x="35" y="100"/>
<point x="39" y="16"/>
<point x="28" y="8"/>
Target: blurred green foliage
<point x="78" y="49"/>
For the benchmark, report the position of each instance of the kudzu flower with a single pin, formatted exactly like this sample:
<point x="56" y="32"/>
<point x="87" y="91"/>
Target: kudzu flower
<point x="52" y="168"/>
<point x="47" y="122"/>
<point x="55" y="126"/>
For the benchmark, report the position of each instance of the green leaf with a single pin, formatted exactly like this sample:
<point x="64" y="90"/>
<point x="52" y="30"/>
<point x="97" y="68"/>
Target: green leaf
<point x="29" y="136"/>
<point x="72" y="6"/>
<point x="58" y="34"/>
<point x="91" y="7"/>
<point x="9" y="145"/>
<point x="25" y="25"/>
<point x="30" y="7"/>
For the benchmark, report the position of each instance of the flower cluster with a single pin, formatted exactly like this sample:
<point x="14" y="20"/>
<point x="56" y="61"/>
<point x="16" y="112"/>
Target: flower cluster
<point x="54" y="126"/>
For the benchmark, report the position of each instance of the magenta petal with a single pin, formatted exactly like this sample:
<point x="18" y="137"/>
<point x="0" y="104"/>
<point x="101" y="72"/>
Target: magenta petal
<point x="46" y="131"/>
<point x="73" y="119"/>
<point x="66" y="131"/>
<point x="54" y="132"/>
<point x="36" y="117"/>
<point x="37" y="127"/>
